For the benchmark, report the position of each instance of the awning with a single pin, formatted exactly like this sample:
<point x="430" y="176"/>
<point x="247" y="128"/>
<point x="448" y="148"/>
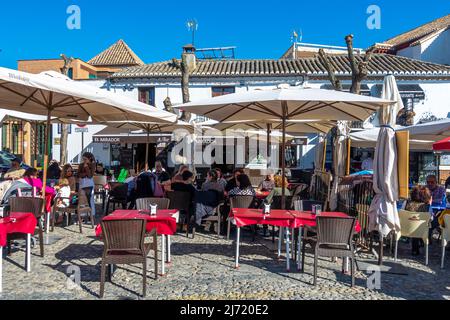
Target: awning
<point x="119" y="136"/>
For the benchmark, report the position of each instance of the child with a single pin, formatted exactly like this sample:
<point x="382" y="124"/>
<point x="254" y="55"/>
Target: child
<point x="63" y="192"/>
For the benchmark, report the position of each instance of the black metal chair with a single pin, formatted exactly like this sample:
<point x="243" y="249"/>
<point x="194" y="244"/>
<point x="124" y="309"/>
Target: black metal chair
<point x="118" y="194"/>
<point x="99" y="188"/>
<point x="334" y="239"/>
<point x="181" y="201"/>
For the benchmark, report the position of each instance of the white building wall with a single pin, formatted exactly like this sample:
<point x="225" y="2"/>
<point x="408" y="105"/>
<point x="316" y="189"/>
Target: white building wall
<point x="435" y="49"/>
<point x="437" y="102"/>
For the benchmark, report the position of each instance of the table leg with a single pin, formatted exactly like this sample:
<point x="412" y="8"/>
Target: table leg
<point x="299" y="248"/>
<point x="163" y="255"/>
<point x="28" y="253"/>
<point x="293" y="244"/>
<point x="47" y="222"/>
<point x="168" y="249"/>
<point x="280" y="237"/>
<point x="1" y="269"/>
<point x="345" y="261"/>
<point x="288" y="244"/>
<point x="238" y="238"/>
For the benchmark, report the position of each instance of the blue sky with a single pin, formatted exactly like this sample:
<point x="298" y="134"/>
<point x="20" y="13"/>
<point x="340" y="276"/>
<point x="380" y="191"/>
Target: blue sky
<point x="156" y="30"/>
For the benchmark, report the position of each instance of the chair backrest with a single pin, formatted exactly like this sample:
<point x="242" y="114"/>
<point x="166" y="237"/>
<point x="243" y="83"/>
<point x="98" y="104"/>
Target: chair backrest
<point x="179" y="200"/>
<point x="446" y="229"/>
<point x="27" y="204"/>
<point x="241" y="201"/>
<point x="335" y="230"/>
<point x="414" y="224"/>
<point x="83" y="200"/>
<point x="118" y="190"/>
<point x="100" y="180"/>
<point x="144" y="203"/>
<point x="124" y="235"/>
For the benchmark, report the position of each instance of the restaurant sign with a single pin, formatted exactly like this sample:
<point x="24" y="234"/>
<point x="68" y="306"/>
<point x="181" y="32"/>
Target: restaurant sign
<point x="106" y="139"/>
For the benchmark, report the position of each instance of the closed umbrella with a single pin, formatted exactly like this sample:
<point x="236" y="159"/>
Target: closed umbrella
<point x="285" y="104"/>
<point x="52" y="94"/>
<point x="383" y="215"/>
<point x="339" y="163"/>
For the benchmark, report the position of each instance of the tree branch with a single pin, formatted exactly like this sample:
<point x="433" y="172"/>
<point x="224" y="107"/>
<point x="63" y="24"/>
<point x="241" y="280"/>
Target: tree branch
<point x="324" y="59"/>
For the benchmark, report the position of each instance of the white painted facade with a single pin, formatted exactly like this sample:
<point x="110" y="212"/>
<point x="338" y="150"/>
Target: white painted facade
<point x="436" y="102"/>
<point x="434" y="48"/>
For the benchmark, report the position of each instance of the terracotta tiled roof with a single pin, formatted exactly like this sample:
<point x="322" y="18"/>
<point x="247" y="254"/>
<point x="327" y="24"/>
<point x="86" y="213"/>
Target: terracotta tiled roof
<point x="119" y="54"/>
<point x="420" y="32"/>
<point x="380" y="65"/>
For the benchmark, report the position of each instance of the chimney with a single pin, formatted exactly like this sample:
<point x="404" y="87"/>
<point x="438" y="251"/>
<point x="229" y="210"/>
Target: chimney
<point x="189" y="58"/>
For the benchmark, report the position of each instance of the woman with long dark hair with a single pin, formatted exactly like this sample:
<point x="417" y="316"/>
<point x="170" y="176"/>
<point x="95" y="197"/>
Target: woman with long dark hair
<point x="86" y="172"/>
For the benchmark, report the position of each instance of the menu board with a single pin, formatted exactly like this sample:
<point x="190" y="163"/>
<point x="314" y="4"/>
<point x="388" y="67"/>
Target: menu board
<point x="126" y="158"/>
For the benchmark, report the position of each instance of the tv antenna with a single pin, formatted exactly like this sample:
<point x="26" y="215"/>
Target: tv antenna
<point x="192" y="26"/>
<point x="296" y="37"/>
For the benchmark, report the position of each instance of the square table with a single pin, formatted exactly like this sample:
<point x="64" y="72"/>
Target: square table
<point x="285" y="219"/>
<point x="17" y="222"/>
<point x="165" y="222"/>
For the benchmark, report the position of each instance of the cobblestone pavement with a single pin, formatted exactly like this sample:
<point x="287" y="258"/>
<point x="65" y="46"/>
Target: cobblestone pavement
<point x="202" y="268"/>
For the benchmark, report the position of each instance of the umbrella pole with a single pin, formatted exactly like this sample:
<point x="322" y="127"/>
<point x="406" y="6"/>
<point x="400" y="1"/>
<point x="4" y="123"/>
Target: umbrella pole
<point x="268" y="144"/>
<point x="146" y="150"/>
<point x="46" y="149"/>
<point x="283" y="157"/>
<point x="35" y="144"/>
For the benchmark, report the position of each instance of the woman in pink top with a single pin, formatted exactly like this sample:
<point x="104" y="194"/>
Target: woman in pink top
<point x="30" y="177"/>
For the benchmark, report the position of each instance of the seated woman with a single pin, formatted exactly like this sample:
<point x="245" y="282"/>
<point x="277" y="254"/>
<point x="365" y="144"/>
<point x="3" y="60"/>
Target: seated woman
<point x="186" y="184"/>
<point x="268" y="184"/>
<point x="67" y="173"/>
<point x="420" y="201"/>
<point x="178" y="177"/>
<point x="243" y="188"/>
<point x="208" y="198"/>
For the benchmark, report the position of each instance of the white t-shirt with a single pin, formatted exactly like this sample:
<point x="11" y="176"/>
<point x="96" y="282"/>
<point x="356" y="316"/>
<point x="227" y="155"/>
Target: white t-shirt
<point x="64" y="192"/>
<point x="367" y="164"/>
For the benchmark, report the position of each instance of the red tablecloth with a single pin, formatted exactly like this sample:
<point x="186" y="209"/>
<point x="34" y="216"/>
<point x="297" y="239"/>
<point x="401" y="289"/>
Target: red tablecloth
<point x="164" y="221"/>
<point x="281" y="218"/>
<point x="308" y="219"/>
<point x="17" y="222"/>
<point x="247" y="217"/>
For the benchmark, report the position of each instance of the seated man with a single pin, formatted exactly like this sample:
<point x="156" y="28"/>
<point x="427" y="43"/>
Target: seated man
<point x="437" y="195"/>
<point x="437" y="191"/>
<point x="15" y="172"/>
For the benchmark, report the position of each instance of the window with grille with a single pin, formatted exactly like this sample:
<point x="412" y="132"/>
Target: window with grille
<point x="221" y="91"/>
<point x="147" y="95"/>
